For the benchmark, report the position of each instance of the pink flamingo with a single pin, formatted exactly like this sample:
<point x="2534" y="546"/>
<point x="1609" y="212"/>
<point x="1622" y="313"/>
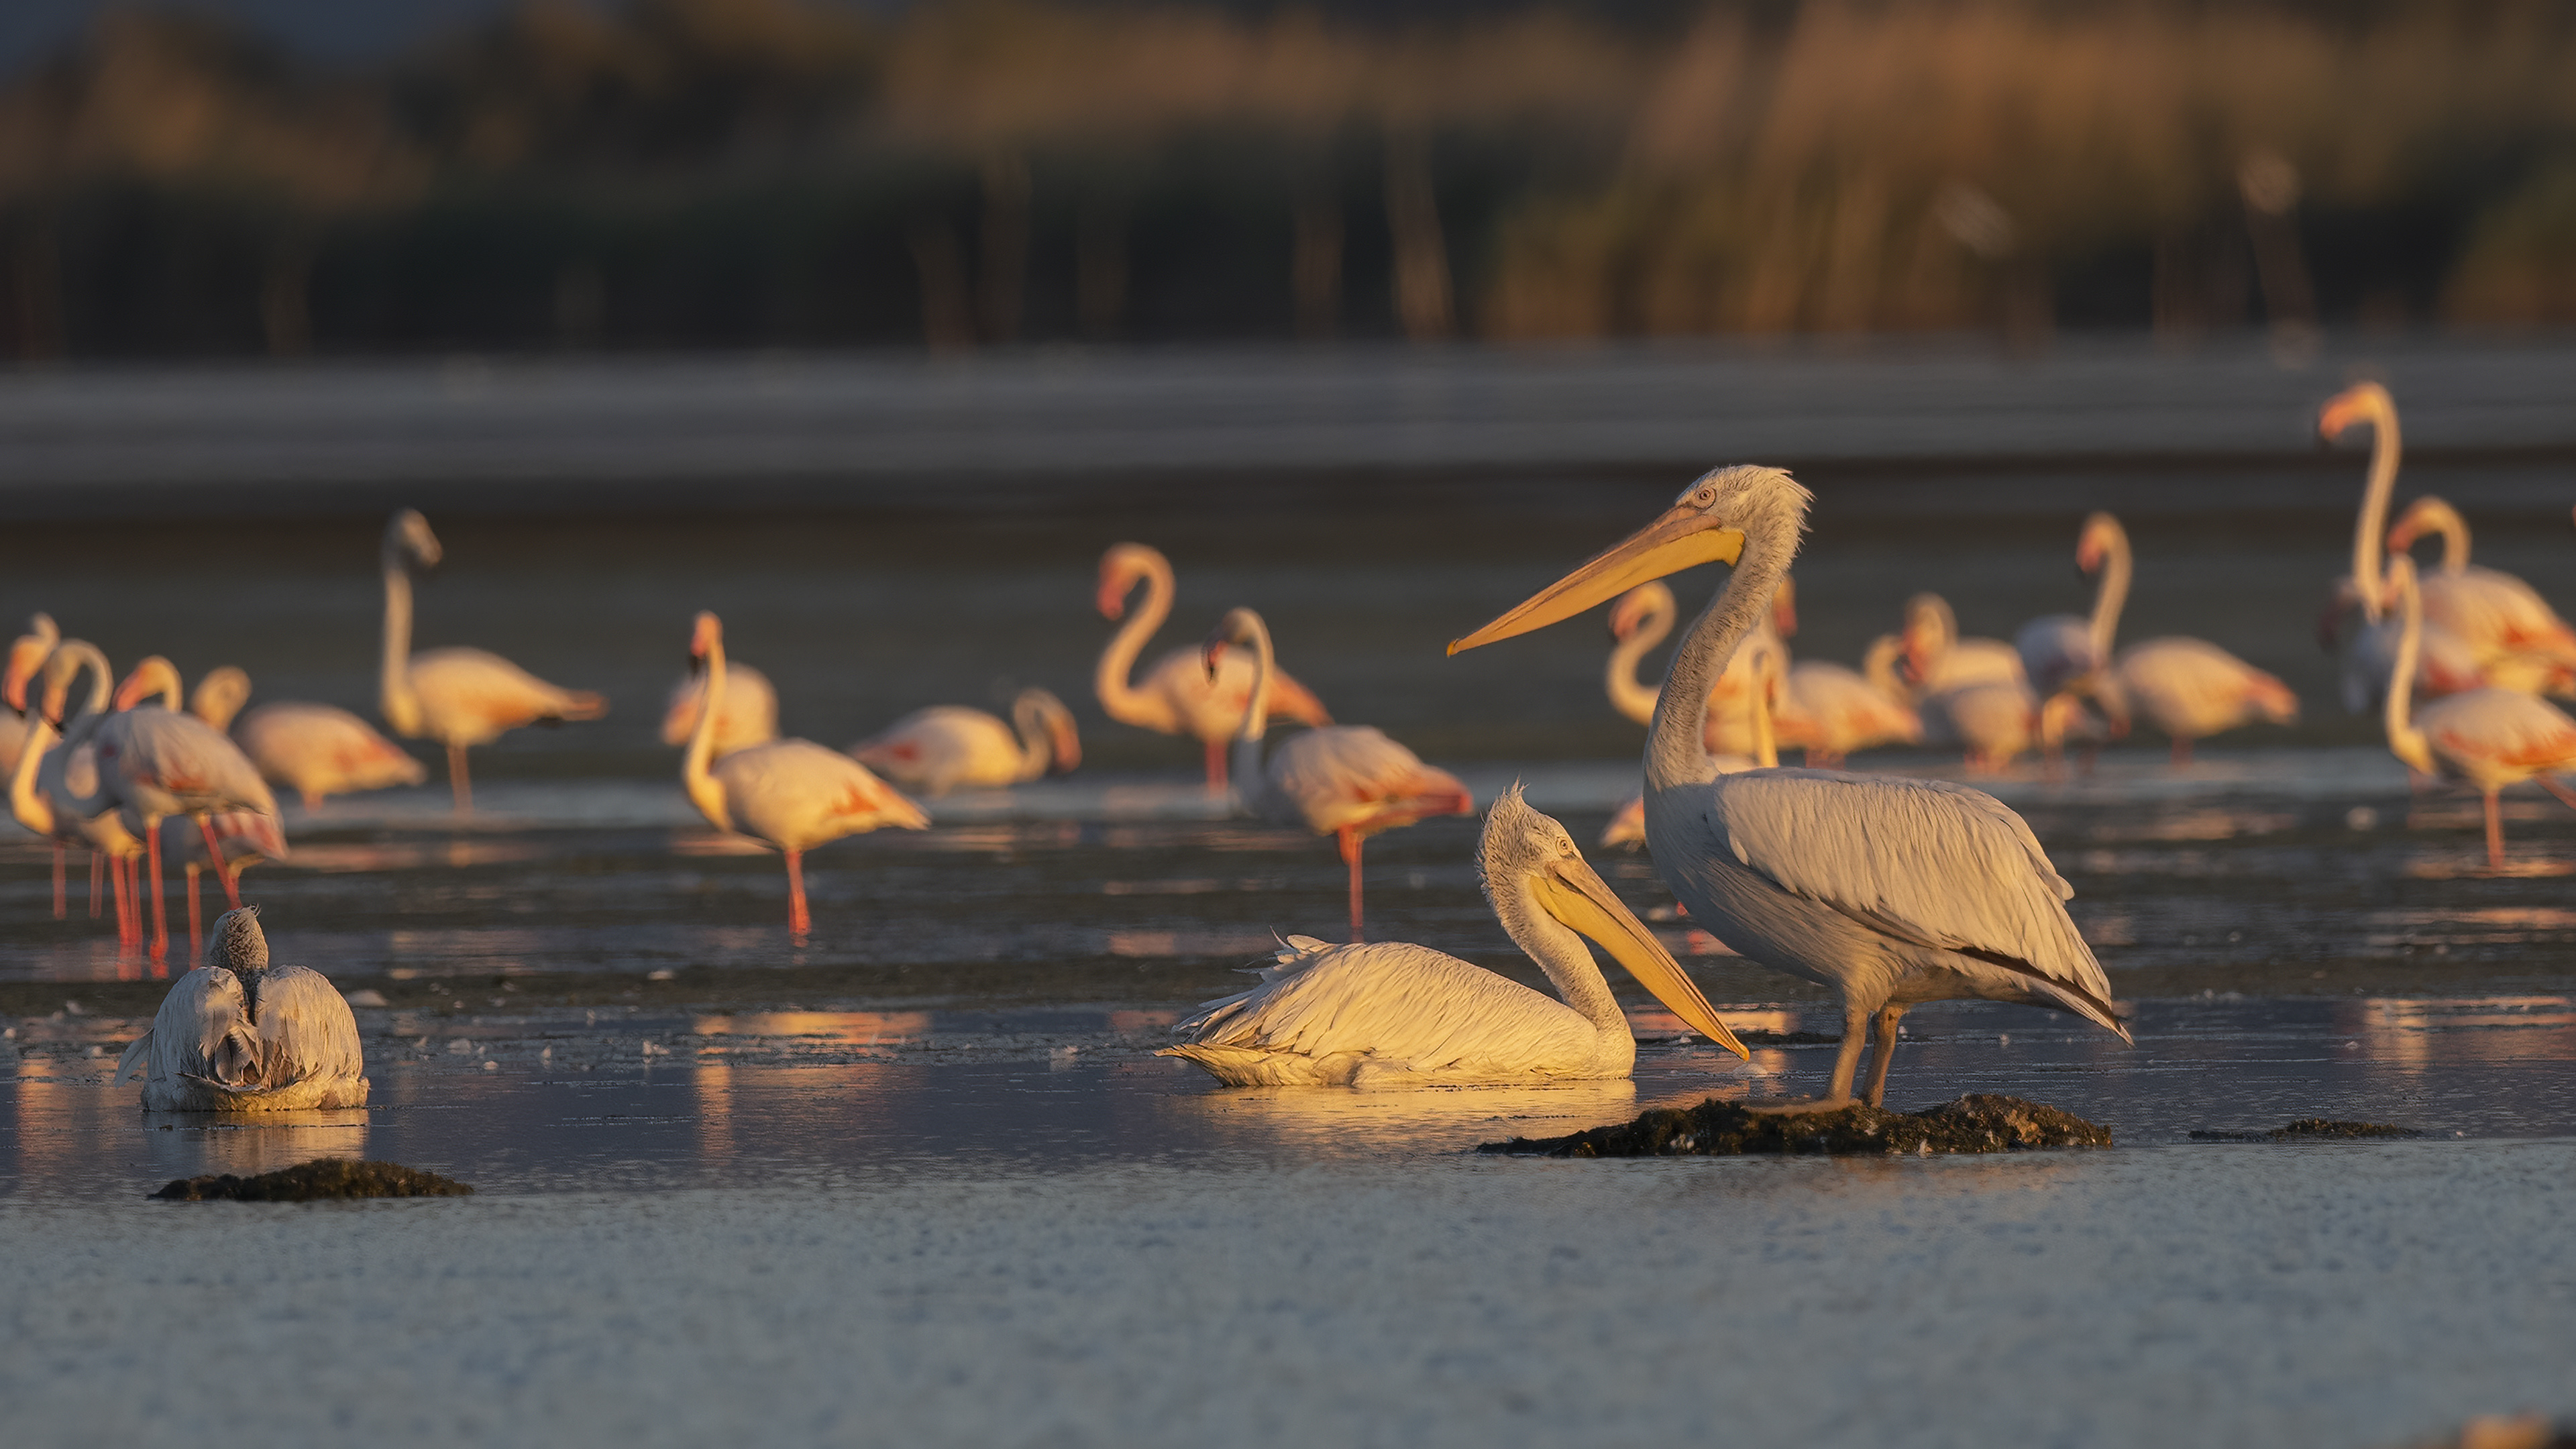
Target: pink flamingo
<point x="2485" y="738"/>
<point x="317" y="750"/>
<point x="2504" y="621"/>
<point x="27" y="653"/>
<point x="935" y="750"/>
<point x="1178" y="696"/>
<point x="458" y="697"/>
<point x="790" y="795"/>
<point x="54" y="790"/>
<point x="750" y="709"/>
<point x="155" y="762"/>
<point x="1346" y="781"/>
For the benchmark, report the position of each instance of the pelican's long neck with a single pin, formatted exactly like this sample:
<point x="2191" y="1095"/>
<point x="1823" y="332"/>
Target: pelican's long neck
<point x="2372" y="525"/>
<point x="1256" y="712"/>
<point x="1675" y="754"/>
<point x="394" y="697"/>
<point x="1628" y="694"/>
<point x="2404" y="740"/>
<point x="2110" y="595"/>
<point x="1565" y="958"/>
<point x="1118" y="697"/>
<point x="705" y="791"/>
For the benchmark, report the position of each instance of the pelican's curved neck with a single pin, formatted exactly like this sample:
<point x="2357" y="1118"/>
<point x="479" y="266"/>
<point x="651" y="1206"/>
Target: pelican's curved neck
<point x="2372" y="525"/>
<point x="1561" y="954"/>
<point x="1256" y="710"/>
<point x="2404" y="740"/>
<point x="1111" y="679"/>
<point x="1629" y="695"/>
<point x="704" y="791"/>
<point x="394" y="697"/>
<point x="2110" y="595"/>
<point x="1675" y="753"/>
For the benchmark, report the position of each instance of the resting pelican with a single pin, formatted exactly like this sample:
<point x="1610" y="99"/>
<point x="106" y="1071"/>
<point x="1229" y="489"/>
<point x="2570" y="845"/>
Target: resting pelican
<point x="1346" y="781"/>
<point x="1390" y="1013"/>
<point x="750" y="712"/>
<point x="935" y="750"/>
<point x="240" y="1035"/>
<point x="1177" y="697"/>
<point x="2485" y="738"/>
<point x="790" y="795"/>
<point x="458" y="697"/>
<point x="1893" y="892"/>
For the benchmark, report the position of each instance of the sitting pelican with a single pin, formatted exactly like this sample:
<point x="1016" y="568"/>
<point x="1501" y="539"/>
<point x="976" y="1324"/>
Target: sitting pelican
<point x="1891" y="891"/>
<point x="1389" y="1013"/>
<point x="240" y="1035"/>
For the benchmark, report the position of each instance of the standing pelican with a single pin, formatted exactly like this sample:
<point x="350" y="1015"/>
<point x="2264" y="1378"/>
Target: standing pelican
<point x="241" y="1035"/>
<point x="2502" y="620"/>
<point x="1389" y="1013"/>
<point x="458" y="697"/>
<point x="750" y="712"/>
<point x="1177" y="696"/>
<point x="947" y="745"/>
<point x="1893" y="892"/>
<point x="790" y="795"/>
<point x="1346" y="781"/>
<point x="2485" y="738"/>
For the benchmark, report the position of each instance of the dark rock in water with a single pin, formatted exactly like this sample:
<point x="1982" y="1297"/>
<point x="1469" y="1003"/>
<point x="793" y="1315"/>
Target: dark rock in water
<point x="1980" y="1123"/>
<point x="2312" y="1129"/>
<point x="322" y="1179"/>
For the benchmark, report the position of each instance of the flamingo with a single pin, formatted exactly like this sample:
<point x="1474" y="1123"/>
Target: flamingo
<point x="240" y="1035"/>
<point x="1833" y="710"/>
<point x="1390" y="1013"/>
<point x="27" y="653"/>
<point x="790" y="795"/>
<point x="1938" y="659"/>
<point x="1641" y="619"/>
<point x="321" y="750"/>
<point x="937" y="749"/>
<point x="1892" y="892"/>
<point x="1975" y="694"/>
<point x="2062" y="648"/>
<point x="750" y="713"/>
<point x="2503" y="620"/>
<point x="1346" y="781"/>
<point x="458" y="697"/>
<point x="155" y="762"/>
<point x="1177" y="696"/>
<point x="54" y="790"/>
<point x="2191" y="689"/>
<point x="2485" y="738"/>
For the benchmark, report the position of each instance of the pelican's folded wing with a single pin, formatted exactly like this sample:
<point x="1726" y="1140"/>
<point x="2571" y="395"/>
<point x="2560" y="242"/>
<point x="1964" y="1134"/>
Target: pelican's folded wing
<point x="306" y="1030"/>
<point x="1924" y="861"/>
<point x="1394" y="1001"/>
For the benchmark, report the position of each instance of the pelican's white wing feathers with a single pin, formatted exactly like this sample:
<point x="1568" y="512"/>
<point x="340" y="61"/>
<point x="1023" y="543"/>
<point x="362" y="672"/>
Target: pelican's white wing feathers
<point x="1924" y="861"/>
<point x="1383" y="1004"/>
<point x="306" y="1030"/>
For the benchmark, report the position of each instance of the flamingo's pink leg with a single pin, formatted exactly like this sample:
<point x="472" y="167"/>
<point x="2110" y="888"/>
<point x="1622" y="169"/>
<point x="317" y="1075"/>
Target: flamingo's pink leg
<point x="2182" y="754"/>
<point x="196" y="916"/>
<point x="2495" y="833"/>
<point x="458" y="781"/>
<point x="1351" y="842"/>
<point x="799" y="921"/>
<point x="1216" y="767"/>
<point x="124" y="908"/>
<point x="2554" y="788"/>
<point x="98" y="863"/>
<point x="223" y="868"/>
<point x="160" y="910"/>
<point x="59" y="910"/>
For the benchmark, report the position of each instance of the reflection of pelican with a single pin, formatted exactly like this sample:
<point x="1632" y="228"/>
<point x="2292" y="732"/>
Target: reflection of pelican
<point x="791" y="795"/>
<point x="1346" y="781"/>
<point x="240" y="1035"/>
<point x="935" y="750"/>
<point x="1893" y="892"/>
<point x="1390" y="1013"/>
<point x="1177" y="696"/>
<point x="458" y="697"/>
<point x="750" y="710"/>
<point x="2485" y="738"/>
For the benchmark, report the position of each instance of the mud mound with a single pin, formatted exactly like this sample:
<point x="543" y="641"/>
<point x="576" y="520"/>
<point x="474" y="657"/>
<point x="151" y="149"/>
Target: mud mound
<point x="321" y="1180"/>
<point x="2311" y="1129"/>
<point x="1978" y="1123"/>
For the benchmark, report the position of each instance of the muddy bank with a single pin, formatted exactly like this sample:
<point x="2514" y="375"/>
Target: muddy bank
<point x="1980" y="1122"/>
<point x="321" y="1180"/>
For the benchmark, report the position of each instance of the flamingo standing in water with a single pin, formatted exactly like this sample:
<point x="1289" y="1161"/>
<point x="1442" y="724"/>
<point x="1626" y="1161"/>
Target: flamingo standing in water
<point x="27" y="653"/>
<point x="935" y="750"/>
<point x="1833" y="709"/>
<point x="750" y="712"/>
<point x="247" y="837"/>
<point x="1392" y="1013"/>
<point x="155" y="762"/>
<point x="1892" y="892"/>
<point x="458" y="697"/>
<point x="2060" y="649"/>
<point x="54" y="790"/>
<point x="1177" y="696"/>
<point x="1346" y="781"/>
<point x="2485" y="738"/>
<point x="2502" y="620"/>
<point x="316" y="750"/>
<point x="790" y="795"/>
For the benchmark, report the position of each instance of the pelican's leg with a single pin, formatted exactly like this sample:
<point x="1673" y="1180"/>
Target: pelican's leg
<point x="458" y="782"/>
<point x="1350" y="840"/>
<point x="1838" y="1094"/>
<point x="59" y="910"/>
<point x="223" y="869"/>
<point x="1216" y="767"/>
<point x="97" y="863"/>
<point x="196" y="914"/>
<point x="160" y="909"/>
<point x="799" y="921"/>
<point x="1878" y="1063"/>
<point x="2495" y="833"/>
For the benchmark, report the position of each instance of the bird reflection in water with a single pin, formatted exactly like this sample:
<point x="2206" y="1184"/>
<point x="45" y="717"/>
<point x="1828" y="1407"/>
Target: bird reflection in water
<point x="278" y="1140"/>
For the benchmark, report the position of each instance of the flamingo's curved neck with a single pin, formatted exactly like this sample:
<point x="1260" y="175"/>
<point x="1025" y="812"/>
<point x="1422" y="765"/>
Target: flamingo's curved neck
<point x="2110" y="595"/>
<point x="704" y="791"/>
<point x="394" y="697"/>
<point x="1256" y="711"/>
<point x="1675" y="754"/>
<point x="1629" y="695"/>
<point x="1037" y="748"/>
<point x="26" y="802"/>
<point x="2440" y="517"/>
<point x="2372" y="525"/>
<point x="1111" y="680"/>
<point x="1562" y="955"/>
<point x="94" y="711"/>
<point x="1878" y="666"/>
<point x="2404" y="740"/>
<point x="1766" y="678"/>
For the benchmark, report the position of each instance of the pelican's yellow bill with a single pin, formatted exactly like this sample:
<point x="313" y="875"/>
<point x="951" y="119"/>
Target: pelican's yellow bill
<point x="1577" y="896"/>
<point x="1682" y="538"/>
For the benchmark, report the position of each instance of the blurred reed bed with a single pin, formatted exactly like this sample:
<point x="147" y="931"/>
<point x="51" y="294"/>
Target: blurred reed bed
<point x="794" y="173"/>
